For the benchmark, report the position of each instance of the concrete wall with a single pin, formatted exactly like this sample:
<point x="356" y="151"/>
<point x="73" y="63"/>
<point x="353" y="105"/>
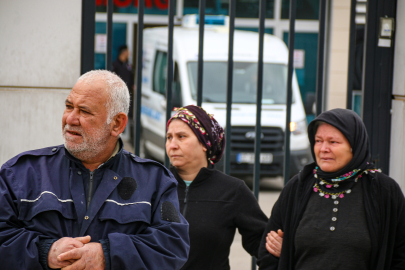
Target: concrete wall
<point x="397" y="153"/>
<point x="40" y="62"/>
<point x="336" y="87"/>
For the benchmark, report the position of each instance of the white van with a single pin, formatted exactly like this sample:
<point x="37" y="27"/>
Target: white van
<point x="185" y="55"/>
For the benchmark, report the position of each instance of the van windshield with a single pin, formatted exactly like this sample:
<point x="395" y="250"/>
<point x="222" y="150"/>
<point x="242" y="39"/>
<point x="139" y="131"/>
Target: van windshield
<point x="244" y="82"/>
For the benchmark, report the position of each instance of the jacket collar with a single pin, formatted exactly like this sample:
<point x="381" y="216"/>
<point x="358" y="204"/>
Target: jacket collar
<point x="306" y="171"/>
<point x="202" y="175"/>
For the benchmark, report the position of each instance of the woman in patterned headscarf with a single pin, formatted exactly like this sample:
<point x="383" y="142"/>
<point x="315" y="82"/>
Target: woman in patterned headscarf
<point x="213" y="203"/>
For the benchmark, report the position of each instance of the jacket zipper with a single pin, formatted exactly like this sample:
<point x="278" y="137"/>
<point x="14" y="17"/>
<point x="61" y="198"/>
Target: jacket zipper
<point x="90" y="195"/>
<point x="185" y="202"/>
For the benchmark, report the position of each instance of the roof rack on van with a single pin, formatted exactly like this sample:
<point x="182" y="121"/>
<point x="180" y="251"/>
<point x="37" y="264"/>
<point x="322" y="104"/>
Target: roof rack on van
<point x="192" y="20"/>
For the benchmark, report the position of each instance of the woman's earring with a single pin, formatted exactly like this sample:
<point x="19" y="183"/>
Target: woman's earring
<point x="351" y="149"/>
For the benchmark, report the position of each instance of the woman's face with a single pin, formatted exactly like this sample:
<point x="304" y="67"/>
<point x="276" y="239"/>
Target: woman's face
<point x="183" y="147"/>
<point x="332" y="149"/>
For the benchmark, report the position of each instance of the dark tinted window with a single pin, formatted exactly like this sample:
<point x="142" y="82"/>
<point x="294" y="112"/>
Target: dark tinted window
<point x="160" y="73"/>
<point x="306" y="9"/>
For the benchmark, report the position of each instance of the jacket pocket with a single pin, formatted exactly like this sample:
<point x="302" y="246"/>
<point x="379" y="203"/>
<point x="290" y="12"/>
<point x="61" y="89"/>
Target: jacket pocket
<point x="47" y="201"/>
<point x="126" y="212"/>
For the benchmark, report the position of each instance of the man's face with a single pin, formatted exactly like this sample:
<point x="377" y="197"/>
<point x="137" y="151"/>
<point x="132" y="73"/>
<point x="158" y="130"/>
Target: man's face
<point x="84" y="126"/>
<point x="125" y="55"/>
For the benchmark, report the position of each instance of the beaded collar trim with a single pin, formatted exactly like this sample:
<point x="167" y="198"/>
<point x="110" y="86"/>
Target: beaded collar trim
<point x="340" y="178"/>
<point x="334" y="195"/>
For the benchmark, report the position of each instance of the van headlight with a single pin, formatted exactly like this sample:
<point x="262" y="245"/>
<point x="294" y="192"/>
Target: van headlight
<point x="298" y="128"/>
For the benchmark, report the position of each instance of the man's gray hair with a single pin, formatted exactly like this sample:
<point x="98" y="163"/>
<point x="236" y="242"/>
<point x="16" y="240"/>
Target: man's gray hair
<point x="118" y="94"/>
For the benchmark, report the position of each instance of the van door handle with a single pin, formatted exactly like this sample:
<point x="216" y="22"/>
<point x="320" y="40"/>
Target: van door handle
<point x="145" y="96"/>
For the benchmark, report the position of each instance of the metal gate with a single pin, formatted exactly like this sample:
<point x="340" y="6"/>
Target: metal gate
<point x="88" y="26"/>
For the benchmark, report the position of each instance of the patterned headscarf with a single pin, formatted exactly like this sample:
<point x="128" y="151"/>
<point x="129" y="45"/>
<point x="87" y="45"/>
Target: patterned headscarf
<point x="205" y="127"/>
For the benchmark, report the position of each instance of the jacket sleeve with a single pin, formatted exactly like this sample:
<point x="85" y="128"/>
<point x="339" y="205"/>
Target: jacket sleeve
<point x="164" y="242"/>
<point x="277" y="221"/>
<point x="266" y="260"/>
<point x="250" y="219"/>
<point x="398" y="258"/>
<point x="18" y="245"/>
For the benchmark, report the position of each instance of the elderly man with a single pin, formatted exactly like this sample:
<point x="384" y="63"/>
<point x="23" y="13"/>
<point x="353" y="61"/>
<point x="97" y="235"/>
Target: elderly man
<point x="89" y="204"/>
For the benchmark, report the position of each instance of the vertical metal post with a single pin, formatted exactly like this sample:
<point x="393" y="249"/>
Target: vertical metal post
<point x="351" y="62"/>
<point x="179" y="9"/>
<point x="259" y="95"/>
<point x="200" y="52"/>
<point x="108" y="60"/>
<point x="377" y="83"/>
<point x="227" y="161"/>
<point x="321" y="57"/>
<point x="138" y="90"/>
<point x="368" y="72"/>
<point x="291" y="41"/>
<point x="170" y="66"/>
<point x="88" y="29"/>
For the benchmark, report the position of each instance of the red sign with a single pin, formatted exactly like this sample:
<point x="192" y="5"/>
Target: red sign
<point x="160" y="4"/>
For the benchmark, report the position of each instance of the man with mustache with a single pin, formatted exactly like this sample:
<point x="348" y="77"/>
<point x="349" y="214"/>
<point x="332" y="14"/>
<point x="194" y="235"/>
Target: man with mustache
<point x="89" y="204"/>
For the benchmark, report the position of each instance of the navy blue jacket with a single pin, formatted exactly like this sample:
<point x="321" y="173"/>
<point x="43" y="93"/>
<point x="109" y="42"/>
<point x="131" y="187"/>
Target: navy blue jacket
<point x="43" y="198"/>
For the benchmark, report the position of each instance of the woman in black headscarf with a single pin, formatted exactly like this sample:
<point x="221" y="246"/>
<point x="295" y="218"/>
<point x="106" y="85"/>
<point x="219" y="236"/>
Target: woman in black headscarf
<point x="214" y="204"/>
<point x="339" y="212"/>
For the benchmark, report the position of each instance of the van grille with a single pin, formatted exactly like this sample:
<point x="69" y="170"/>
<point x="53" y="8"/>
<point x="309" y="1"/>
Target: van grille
<point x="272" y="141"/>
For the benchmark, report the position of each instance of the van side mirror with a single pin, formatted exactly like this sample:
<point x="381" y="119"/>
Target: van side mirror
<point x="176" y="95"/>
<point x="310" y="102"/>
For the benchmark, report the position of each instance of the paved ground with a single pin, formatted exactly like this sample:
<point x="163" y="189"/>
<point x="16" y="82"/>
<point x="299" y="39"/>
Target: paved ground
<point x="239" y="259"/>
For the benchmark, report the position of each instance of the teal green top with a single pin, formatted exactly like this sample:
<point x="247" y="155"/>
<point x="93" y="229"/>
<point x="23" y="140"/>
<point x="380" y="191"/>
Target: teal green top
<point x="187" y="182"/>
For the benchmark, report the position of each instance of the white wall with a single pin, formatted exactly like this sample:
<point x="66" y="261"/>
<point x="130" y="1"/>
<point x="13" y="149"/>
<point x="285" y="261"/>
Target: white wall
<point x="40" y="43"/>
<point x="397" y="151"/>
<point x="339" y="51"/>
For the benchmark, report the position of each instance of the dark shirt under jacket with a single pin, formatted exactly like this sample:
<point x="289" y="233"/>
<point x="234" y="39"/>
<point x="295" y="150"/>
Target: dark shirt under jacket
<point x="384" y="206"/>
<point x="215" y="205"/>
<point x="333" y="234"/>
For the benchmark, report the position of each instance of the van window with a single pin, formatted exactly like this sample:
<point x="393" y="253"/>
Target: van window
<point x="160" y="73"/>
<point x="160" y="78"/>
<point x="244" y="82"/>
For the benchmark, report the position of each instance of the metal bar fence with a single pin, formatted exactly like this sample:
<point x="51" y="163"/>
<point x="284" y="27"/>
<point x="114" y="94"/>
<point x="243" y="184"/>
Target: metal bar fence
<point x="230" y="69"/>
<point x="351" y="62"/>
<point x="259" y="95"/>
<point x="321" y="57"/>
<point x="138" y="93"/>
<point x="108" y="55"/>
<point x="88" y="29"/>
<point x="200" y="52"/>
<point x="170" y="67"/>
<point x="227" y="156"/>
<point x="291" y="41"/>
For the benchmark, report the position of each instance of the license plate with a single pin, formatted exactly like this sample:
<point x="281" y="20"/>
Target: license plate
<point x="265" y="158"/>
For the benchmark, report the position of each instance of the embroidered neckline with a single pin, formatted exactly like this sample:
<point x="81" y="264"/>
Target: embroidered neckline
<point x="334" y="195"/>
<point x="340" y="178"/>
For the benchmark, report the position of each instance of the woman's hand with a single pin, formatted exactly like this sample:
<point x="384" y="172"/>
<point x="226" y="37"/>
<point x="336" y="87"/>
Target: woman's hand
<point x="274" y="241"/>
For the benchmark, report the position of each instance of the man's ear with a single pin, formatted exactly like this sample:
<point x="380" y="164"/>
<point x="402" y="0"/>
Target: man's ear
<point x="118" y="124"/>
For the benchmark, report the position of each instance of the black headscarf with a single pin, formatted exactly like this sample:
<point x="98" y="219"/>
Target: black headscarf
<point x="353" y="128"/>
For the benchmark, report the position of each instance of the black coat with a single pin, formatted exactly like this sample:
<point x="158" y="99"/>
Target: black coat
<point x="215" y="205"/>
<point x="385" y="213"/>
